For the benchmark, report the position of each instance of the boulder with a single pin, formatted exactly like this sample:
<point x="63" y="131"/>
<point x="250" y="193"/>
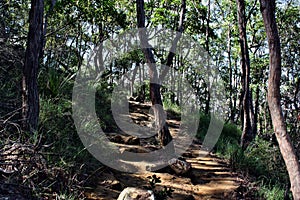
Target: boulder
<point x="131" y="193"/>
<point x="179" y="166"/>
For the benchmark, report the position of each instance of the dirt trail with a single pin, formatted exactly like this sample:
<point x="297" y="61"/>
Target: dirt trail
<point x="210" y="177"/>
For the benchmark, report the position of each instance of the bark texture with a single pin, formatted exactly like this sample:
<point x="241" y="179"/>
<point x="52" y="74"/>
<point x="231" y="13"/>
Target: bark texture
<point x="156" y="80"/>
<point x="246" y="99"/>
<point x="30" y="97"/>
<point x="286" y="148"/>
<point x="155" y="95"/>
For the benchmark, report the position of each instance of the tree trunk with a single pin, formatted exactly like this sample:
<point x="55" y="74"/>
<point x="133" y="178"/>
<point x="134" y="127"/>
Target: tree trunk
<point x="45" y="26"/>
<point x="296" y="101"/>
<point x="235" y="97"/>
<point x="256" y="110"/>
<point x="231" y="108"/>
<point x="286" y="148"/>
<point x="247" y="108"/>
<point x="159" y="115"/>
<point x="30" y="97"/>
<point x="179" y="32"/>
<point x="208" y="61"/>
<point x="133" y="78"/>
<point x="155" y="80"/>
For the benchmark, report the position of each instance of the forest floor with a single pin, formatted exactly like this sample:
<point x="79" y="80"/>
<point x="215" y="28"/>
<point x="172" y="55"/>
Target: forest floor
<point x="210" y="176"/>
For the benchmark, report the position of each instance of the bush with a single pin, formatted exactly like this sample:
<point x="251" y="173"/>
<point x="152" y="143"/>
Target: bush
<point x="204" y="121"/>
<point x="230" y="133"/>
<point x="172" y="109"/>
<point x="66" y="156"/>
<point x="266" y="160"/>
<point x="103" y="107"/>
<point x="272" y="192"/>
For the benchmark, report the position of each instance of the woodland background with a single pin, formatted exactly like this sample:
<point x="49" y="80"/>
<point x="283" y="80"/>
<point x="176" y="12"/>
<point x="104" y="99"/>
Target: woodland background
<point x="43" y="45"/>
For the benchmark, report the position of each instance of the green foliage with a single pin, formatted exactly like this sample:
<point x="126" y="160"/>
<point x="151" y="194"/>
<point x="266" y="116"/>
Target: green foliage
<point x="228" y="144"/>
<point x="203" y="126"/>
<point x="144" y="86"/>
<point x="13" y="18"/>
<point x="153" y="180"/>
<point x="230" y="132"/>
<point x="272" y="192"/>
<point x="171" y="108"/>
<point x="57" y="128"/>
<point x="159" y="194"/>
<point x="55" y="83"/>
<point x="196" y="20"/>
<point x="164" y="13"/>
<point x="261" y="160"/>
<point x="103" y="106"/>
<point x="73" y="27"/>
<point x="58" y="133"/>
<point x="10" y="77"/>
<point x="63" y="148"/>
<point x="66" y="196"/>
<point x="266" y="159"/>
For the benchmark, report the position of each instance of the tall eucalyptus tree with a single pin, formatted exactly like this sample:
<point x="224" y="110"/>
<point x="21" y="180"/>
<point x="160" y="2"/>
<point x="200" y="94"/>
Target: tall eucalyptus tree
<point x="246" y="97"/>
<point x="274" y="98"/>
<point x="155" y="79"/>
<point x="30" y="96"/>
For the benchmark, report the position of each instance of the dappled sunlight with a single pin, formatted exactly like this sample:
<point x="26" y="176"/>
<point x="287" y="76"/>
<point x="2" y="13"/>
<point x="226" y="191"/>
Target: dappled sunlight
<point x="209" y="178"/>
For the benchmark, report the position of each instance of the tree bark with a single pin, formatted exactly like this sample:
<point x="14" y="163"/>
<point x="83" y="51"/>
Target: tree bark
<point x="179" y="32"/>
<point x="247" y="108"/>
<point x="208" y="61"/>
<point x="45" y="26"/>
<point x="231" y="108"/>
<point x="296" y="102"/>
<point x="155" y="95"/>
<point x="155" y="80"/>
<point x="30" y="97"/>
<point x="256" y="110"/>
<point x="286" y="148"/>
<point x="235" y="86"/>
<point x="132" y="80"/>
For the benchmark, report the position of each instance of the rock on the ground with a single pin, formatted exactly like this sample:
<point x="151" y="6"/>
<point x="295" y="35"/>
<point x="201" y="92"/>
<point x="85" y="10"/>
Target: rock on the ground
<point x="179" y="166"/>
<point x="131" y="193"/>
<point x="134" y="149"/>
<point x="116" y="139"/>
<point x="110" y="181"/>
<point x="129" y="140"/>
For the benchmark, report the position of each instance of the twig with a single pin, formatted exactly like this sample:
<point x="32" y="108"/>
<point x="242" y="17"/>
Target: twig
<point x="93" y="173"/>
